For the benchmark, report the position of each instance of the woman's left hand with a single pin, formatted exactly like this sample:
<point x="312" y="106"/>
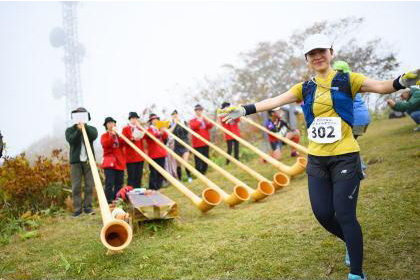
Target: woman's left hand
<point x="411" y="78"/>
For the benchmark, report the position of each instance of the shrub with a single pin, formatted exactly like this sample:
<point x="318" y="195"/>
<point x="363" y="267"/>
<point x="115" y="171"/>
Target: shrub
<point x="33" y="187"/>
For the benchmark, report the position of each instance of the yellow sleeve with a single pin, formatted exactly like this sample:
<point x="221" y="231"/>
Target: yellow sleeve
<point x="297" y="91"/>
<point x="356" y="82"/>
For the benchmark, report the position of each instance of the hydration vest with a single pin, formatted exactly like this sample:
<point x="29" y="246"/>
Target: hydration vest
<point x="342" y="98"/>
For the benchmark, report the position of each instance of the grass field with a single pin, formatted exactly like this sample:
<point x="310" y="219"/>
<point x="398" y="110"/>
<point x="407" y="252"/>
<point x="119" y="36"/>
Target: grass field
<point x="277" y="238"/>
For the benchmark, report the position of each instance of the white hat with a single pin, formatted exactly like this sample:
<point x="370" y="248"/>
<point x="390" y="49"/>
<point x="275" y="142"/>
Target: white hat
<point x="316" y="41"/>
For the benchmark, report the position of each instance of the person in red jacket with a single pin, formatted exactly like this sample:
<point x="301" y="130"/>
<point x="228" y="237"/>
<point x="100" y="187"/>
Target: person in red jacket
<point x="113" y="161"/>
<point x="202" y="127"/>
<point x="133" y="159"/>
<point x="156" y="152"/>
<point x="232" y="144"/>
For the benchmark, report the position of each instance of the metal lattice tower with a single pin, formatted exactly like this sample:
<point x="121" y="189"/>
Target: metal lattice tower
<point x="66" y="37"/>
<point x="73" y="55"/>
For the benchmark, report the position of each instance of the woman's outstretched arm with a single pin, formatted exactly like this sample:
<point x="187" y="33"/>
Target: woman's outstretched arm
<point x="274" y="102"/>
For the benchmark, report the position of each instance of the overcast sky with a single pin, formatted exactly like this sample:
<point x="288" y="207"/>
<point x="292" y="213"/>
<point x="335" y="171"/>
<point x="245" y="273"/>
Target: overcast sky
<point x="138" y="51"/>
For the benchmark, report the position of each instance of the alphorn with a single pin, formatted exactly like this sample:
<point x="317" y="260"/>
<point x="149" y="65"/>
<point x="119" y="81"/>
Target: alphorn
<point x="265" y="187"/>
<point x="289" y="142"/>
<point x="210" y="197"/>
<point x="239" y="195"/>
<point x="115" y="234"/>
<point x="293" y="170"/>
<point x="240" y="191"/>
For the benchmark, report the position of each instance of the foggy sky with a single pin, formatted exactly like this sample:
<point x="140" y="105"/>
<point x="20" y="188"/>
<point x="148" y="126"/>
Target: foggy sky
<point x="139" y="53"/>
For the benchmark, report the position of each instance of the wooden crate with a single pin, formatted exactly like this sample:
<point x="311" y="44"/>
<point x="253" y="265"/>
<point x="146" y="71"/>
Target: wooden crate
<point x="150" y="206"/>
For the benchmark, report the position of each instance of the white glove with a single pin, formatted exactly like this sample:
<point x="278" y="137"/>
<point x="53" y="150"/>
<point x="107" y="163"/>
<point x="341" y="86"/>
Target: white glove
<point x="231" y="113"/>
<point x="411" y="78"/>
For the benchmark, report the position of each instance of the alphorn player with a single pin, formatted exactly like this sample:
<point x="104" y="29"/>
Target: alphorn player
<point x="276" y="124"/>
<point x="156" y="152"/>
<point x="79" y="165"/>
<point x="233" y="126"/>
<point x="114" y="159"/>
<point x="202" y="127"/>
<point x="133" y="159"/>
<point x="333" y="168"/>
<point x="180" y="150"/>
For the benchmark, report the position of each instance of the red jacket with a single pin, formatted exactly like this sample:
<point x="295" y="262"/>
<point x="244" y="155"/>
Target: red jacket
<point x="153" y="149"/>
<point x="130" y="154"/>
<point x="113" y="146"/>
<point x="201" y="128"/>
<point x="232" y="127"/>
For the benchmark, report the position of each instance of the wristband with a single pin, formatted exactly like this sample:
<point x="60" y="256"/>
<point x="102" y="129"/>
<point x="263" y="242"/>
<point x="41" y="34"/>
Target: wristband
<point x="250" y="109"/>
<point x="397" y="85"/>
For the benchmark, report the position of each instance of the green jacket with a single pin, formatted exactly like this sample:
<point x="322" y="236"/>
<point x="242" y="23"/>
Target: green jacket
<point x="74" y="137"/>
<point x="412" y="104"/>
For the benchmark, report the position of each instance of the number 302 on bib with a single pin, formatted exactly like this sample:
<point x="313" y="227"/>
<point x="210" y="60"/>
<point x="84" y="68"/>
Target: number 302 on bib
<point x="325" y="130"/>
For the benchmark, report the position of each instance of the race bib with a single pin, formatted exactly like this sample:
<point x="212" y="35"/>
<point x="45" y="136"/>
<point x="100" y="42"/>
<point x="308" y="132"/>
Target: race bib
<point x="325" y="130"/>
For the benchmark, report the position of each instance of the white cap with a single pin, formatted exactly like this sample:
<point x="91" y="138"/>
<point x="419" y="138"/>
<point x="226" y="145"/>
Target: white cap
<point x="316" y="41"/>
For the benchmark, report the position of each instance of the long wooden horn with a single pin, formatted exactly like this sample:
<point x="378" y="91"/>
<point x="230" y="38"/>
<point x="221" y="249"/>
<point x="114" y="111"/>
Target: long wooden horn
<point x="210" y="197"/>
<point x="293" y="170"/>
<point x="237" y="197"/>
<point x="115" y="234"/>
<point x="265" y="187"/>
<point x="240" y="191"/>
<point x="289" y="142"/>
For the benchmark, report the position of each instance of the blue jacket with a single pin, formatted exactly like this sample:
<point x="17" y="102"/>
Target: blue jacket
<point x="360" y="111"/>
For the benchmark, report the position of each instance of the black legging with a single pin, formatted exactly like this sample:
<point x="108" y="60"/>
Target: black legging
<point x="334" y="206"/>
<point x="235" y="144"/>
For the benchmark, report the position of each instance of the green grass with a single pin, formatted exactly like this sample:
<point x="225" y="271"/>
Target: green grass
<point x="277" y="238"/>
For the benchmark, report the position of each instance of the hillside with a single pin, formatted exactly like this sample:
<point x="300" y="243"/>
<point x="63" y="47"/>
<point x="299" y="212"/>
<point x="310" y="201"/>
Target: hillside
<point x="276" y="238"/>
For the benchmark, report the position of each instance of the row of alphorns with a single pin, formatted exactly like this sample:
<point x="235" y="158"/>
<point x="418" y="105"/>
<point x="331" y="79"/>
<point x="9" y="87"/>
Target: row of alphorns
<point x="117" y="234"/>
<point x="213" y="194"/>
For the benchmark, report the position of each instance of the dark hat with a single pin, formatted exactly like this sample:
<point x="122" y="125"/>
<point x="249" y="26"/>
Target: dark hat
<point x="174" y="112"/>
<point x="81" y="110"/>
<point x="133" y="115"/>
<point x="109" y="119"/>
<point x="225" y="104"/>
<point x="152" y="117"/>
<point x="198" y="107"/>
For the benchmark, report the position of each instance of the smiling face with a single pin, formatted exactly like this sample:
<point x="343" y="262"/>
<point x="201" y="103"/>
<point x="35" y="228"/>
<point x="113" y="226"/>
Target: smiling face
<point x="319" y="59"/>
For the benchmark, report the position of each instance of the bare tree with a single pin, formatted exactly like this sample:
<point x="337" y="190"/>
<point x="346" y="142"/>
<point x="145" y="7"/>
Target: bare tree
<point x="272" y="68"/>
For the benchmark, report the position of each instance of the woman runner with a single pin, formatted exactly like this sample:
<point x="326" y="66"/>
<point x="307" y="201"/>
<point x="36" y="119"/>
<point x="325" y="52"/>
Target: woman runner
<point x="333" y="168"/>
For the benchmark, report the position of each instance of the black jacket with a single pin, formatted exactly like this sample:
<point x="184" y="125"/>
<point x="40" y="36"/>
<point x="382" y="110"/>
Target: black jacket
<point x="181" y="133"/>
<point x="74" y="137"/>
